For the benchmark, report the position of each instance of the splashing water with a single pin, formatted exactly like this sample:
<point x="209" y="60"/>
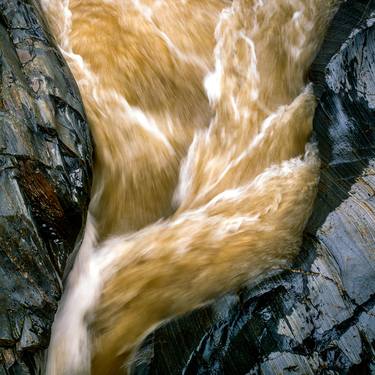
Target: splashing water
<point x="204" y="178"/>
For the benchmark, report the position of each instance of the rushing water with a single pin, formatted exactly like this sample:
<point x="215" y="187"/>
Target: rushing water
<point x="204" y="178"/>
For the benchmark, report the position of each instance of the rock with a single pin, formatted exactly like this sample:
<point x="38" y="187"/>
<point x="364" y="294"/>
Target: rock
<point x="45" y="176"/>
<point x="318" y="317"/>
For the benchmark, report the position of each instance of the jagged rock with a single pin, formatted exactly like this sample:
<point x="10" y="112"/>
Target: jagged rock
<point x="45" y="175"/>
<point x="318" y="317"/>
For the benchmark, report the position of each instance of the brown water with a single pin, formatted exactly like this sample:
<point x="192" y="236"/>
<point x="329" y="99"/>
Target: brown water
<point x="204" y="178"/>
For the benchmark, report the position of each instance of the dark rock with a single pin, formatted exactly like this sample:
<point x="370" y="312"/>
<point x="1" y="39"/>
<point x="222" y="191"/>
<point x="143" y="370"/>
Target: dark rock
<point x="45" y="166"/>
<point x="318" y="317"/>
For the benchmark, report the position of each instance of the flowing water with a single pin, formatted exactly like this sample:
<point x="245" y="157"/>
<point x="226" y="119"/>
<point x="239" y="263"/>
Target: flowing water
<point x="204" y="178"/>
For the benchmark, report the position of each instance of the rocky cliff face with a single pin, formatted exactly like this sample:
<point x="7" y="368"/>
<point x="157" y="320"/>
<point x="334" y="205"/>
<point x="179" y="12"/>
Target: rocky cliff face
<point x="318" y="317"/>
<point x="45" y="163"/>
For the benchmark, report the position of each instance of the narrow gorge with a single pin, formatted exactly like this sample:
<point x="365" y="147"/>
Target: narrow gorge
<point x="205" y="174"/>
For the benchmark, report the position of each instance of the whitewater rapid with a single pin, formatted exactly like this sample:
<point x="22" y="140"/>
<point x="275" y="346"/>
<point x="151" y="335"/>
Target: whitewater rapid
<point x="204" y="175"/>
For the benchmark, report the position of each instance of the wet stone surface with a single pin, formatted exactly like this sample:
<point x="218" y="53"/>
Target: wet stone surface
<point x="318" y="317"/>
<point x="45" y="175"/>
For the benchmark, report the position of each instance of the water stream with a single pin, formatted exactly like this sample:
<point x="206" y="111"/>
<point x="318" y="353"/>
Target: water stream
<point x="204" y="173"/>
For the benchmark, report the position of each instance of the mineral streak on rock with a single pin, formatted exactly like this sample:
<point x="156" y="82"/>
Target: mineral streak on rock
<point x="318" y="317"/>
<point x="45" y="176"/>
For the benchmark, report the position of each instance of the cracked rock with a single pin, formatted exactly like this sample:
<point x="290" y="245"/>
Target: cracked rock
<point x="45" y="176"/>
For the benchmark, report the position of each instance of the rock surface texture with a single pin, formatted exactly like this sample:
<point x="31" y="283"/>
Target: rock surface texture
<point x="45" y="175"/>
<point x="318" y="317"/>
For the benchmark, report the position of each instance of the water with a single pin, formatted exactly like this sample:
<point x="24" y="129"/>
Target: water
<point x="204" y="175"/>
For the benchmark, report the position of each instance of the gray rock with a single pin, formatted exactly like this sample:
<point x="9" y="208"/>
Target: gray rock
<point x="45" y="176"/>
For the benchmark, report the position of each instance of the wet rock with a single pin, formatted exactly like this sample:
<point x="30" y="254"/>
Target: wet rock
<point x="45" y="164"/>
<point x="318" y="317"/>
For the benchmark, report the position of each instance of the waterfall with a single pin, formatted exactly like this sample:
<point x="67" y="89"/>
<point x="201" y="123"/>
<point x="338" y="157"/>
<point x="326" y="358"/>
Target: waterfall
<point x="204" y="174"/>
